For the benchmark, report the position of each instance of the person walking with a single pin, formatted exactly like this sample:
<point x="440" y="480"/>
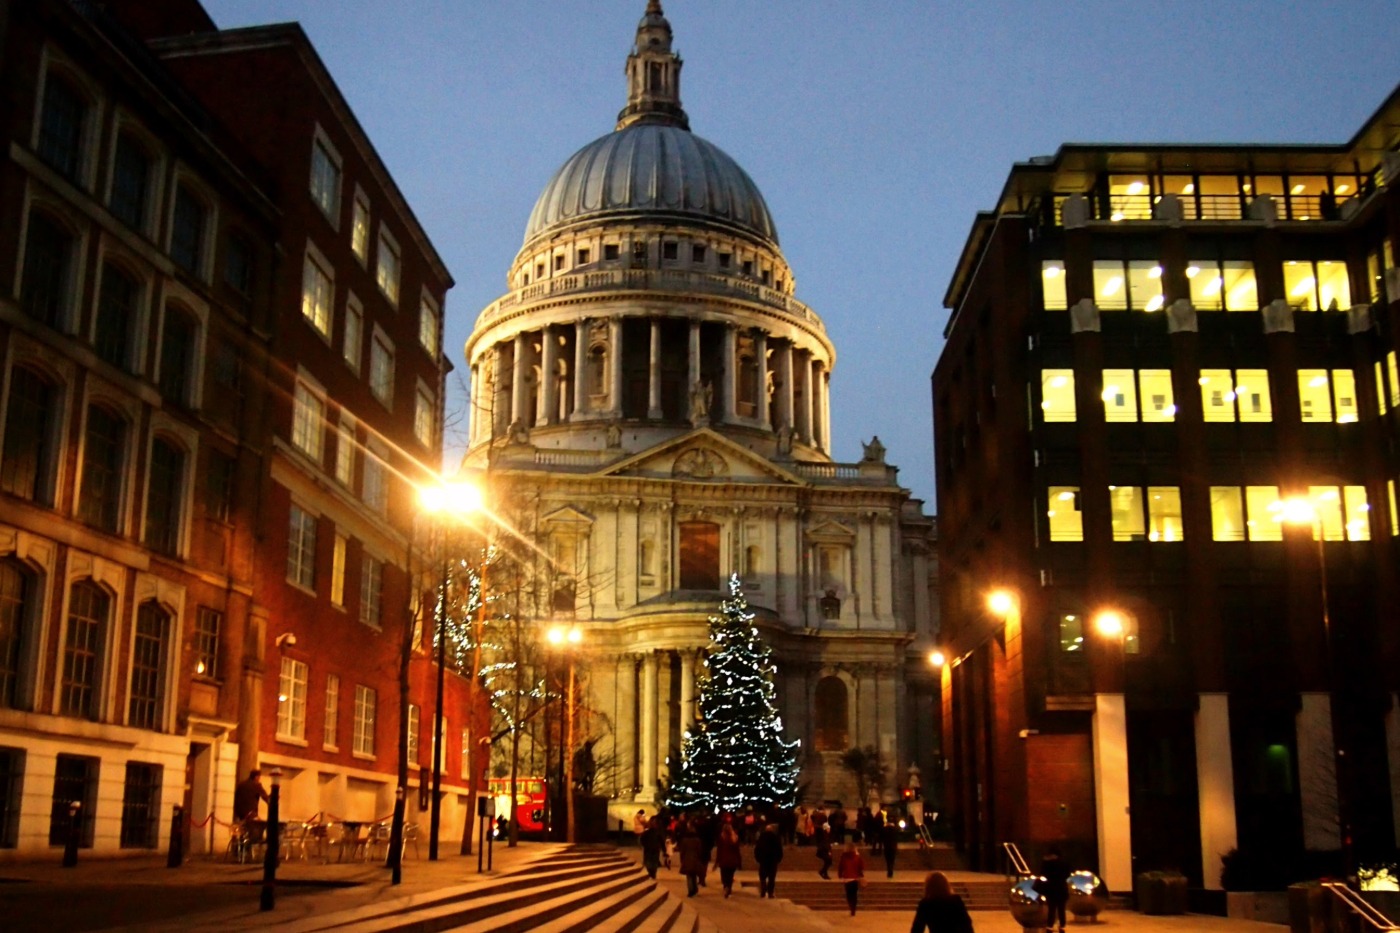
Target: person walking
<point x="1054" y="887"/>
<point x="768" y="852"/>
<point x="639" y="824"/>
<point x="940" y="910"/>
<point x="692" y="859"/>
<point x="824" y="850"/>
<point x="729" y="857"/>
<point x="653" y="842"/>
<point x="889" y="843"/>
<point x="851" y="871"/>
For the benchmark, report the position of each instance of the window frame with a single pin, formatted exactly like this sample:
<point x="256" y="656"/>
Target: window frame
<point x="365" y="722"/>
<point x="318" y="292"/>
<point x="308" y="433"/>
<point x="301" y="547"/>
<point x="321" y="145"/>
<point x="390" y="285"/>
<point x="197" y="194"/>
<point x="292" y="679"/>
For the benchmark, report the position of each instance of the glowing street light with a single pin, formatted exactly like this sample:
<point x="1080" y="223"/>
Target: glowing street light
<point x="1110" y="623"/>
<point x="937" y="658"/>
<point x="568" y="638"/>
<point x="1001" y="602"/>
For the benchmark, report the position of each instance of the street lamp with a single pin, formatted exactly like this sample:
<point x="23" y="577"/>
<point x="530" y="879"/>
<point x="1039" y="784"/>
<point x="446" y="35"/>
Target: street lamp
<point x="1110" y="623"/>
<point x="1301" y="511"/>
<point x="1001" y="602"/>
<point x="568" y="638"/>
<point x="456" y="499"/>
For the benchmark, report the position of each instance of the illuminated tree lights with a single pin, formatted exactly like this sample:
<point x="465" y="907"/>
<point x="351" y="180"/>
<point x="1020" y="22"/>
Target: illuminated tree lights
<point x="734" y="753"/>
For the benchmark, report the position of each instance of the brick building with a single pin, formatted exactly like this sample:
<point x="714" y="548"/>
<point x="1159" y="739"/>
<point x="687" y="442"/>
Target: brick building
<point x="1155" y="353"/>
<point x="222" y="374"/>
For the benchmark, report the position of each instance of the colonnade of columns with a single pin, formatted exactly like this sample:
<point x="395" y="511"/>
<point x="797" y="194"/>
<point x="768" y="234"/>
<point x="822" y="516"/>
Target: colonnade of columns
<point x="647" y="723"/>
<point x="533" y="380"/>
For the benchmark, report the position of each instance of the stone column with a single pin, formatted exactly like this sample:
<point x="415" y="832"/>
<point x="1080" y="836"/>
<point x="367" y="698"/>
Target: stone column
<point x="687" y="689"/>
<point x="804" y="409"/>
<point x="654" y="373"/>
<point x="760" y="352"/>
<point x="1110" y="743"/>
<point x="1317" y="769"/>
<point x="518" y="394"/>
<point x="549" y="362"/>
<point x="580" y="365"/>
<point x="647" y="779"/>
<point x="625" y="730"/>
<point x="693" y="356"/>
<point x="1215" y="776"/>
<point x="826" y="410"/>
<point x="615" y="371"/>
<point x="731" y="372"/>
<point x="818" y="405"/>
<point x="785" y="412"/>
<point x="474" y="394"/>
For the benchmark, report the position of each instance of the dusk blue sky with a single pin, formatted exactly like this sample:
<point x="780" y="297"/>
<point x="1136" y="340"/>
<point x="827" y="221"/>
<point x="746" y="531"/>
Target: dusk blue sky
<point x="876" y="129"/>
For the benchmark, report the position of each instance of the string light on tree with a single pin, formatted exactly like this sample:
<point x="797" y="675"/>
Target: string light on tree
<point x="735" y="753"/>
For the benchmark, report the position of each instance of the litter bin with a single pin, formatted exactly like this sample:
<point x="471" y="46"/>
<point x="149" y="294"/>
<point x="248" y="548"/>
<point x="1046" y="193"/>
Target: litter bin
<point x="1174" y="893"/>
<point x="1148" y="892"/>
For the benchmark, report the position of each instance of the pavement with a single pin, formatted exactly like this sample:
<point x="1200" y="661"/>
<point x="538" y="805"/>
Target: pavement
<point x="205" y="894"/>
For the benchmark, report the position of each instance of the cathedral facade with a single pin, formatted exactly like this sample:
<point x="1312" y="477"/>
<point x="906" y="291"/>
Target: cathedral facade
<point x="652" y="388"/>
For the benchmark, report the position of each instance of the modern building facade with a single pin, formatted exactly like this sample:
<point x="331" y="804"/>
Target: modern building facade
<point x="222" y="373"/>
<point x="656" y="396"/>
<point x="1168" y="370"/>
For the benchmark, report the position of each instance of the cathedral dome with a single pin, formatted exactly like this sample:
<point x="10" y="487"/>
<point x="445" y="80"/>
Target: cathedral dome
<point x="655" y="170"/>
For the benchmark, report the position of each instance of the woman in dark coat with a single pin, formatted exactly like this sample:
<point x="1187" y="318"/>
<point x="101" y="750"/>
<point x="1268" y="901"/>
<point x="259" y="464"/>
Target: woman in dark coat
<point x="653" y="846"/>
<point x="729" y="858"/>
<point x="768" y="852"/>
<point x="692" y="859"/>
<point x="940" y="910"/>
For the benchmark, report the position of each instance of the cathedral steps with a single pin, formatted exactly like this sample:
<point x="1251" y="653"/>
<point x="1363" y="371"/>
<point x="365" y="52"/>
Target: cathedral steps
<point x="880" y="894"/>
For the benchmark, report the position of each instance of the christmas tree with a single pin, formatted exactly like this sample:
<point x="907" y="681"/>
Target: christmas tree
<point x="734" y="754"/>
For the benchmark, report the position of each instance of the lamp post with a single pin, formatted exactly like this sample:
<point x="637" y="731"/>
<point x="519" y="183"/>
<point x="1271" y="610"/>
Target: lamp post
<point x="568" y="638"/>
<point x="1301" y="511"/>
<point x="458" y="499"/>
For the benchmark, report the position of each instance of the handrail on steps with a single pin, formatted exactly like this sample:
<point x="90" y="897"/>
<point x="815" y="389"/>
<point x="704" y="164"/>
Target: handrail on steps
<point x="1359" y="906"/>
<point x="1015" y="862"/>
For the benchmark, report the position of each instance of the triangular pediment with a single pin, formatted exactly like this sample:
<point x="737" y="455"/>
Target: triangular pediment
<point x="568" y="515"/>
<point x="702" y="456"/>
<point x="831" y="530"/>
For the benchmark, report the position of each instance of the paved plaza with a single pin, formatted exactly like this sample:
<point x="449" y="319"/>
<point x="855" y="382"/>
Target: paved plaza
<point x="142" y="894"/>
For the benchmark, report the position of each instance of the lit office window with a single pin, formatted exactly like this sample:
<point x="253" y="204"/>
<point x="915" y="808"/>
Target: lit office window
<point x="1358" y="513"/>
<point x="1125" y="505"/>
<point x="1119" y="395"/>
<point x="1393" y="368"/>
<point x="1163" y="513"/>
<point x="1066" y="521"/>
<point x="1135" y="285"/>
<point x="1217" y="395"/>
<point x="1252" y="395"/>
<point x="1327" y="504"/>
<point x="1314" y="395"/>
<point x="1394" y="512"/>
<point x="1057" y="394"/>
<point x="1265" y="518"/>
<point x="1243" y="394"/>
<point x="1380" y="389"/>
<point x="1052" y="285"/>
<point x="1226" y="513"/>
<point x="1155" y="390"/>
<point x="1071" y="634"/>
<point x="1129" y="198"/>
<point x="1344" y="396"/>
<point x="1227" y="286"/>
<point x="1317" y="286"/>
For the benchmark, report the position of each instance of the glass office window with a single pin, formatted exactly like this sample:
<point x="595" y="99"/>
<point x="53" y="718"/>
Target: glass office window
<point x="1219" y="197"/>
<point x="1252" y="395"/>
<point x="1145" y="285"/>
<point x="1358" y="513"/>
<point x="1344" y="396"/>
<point x="1317" y="286"/>
<point x="1129" y="198"/>
<point x="1394" y="370"/>
<point x="1226" y="513"/>
<point x="1163" y="513"/>
<point x="1057" y="394"/>
<point x="1314" y="395"/>
<point x="1327" y="503"/>
<point x="1217" y="395"/>
<point x="1262" y="505"/>
<point x="1110" y="285"/>
<point x="1125" y="505"/>
<point x="1066" y="521"/>
<point x="1155" y="390"/>
<point x="1394" y="511"/>
<point x="1119" y="395"/>
<point x="1052" y="285"/>
<point x="1380" y="389"/>
<point x="1071" y="633"/>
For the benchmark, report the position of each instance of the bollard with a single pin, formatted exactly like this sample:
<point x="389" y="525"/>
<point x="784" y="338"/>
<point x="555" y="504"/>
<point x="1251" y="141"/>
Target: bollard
<point x="175" y="857"/>
<point x="75" y="834"/>
<point x="272" y="839"/>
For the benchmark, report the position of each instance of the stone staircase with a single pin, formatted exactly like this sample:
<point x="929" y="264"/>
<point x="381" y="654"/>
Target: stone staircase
<point x="880" y="894"/>
<point x="580" y="889"/>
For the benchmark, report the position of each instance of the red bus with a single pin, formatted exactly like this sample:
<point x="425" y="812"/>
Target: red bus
<point x="529" y="795"/>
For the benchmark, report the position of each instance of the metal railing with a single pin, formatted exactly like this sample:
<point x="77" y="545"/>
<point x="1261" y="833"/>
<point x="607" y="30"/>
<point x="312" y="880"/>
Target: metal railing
<point x="1369" y="917"/>
<point x="1015" y="862"/>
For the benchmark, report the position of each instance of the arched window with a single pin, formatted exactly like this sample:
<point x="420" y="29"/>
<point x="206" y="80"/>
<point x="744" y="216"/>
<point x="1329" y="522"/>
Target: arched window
<point x="177" y="346"/>
<point x="104" y="450"/>
<point x="131" y="182"/>
<point x="15" y="614"/>
<point x="189" y="230"/>
<point x="116" y="316"/>
<point x="62" y="124"/>
<point x="832" y="715"/>
<point x="699" y="556"/>
<point x="27" y="457"/>
<point x="46" y="287"/>
<point x="148" y="659"/>
<point x="88" y="610"/>
<point x="164" y="497"/>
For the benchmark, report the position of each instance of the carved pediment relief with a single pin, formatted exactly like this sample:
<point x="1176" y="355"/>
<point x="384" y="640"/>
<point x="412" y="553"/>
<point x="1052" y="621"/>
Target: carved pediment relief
<point x="702" y="455"/>
<point x="700" y="463"/>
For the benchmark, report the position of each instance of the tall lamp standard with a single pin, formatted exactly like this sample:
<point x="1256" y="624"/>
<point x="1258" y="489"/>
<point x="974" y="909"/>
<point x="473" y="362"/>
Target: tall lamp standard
<point x="1302" y="512"/>
<point x="457" y="500"/>
<point x="568" y="638"/>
